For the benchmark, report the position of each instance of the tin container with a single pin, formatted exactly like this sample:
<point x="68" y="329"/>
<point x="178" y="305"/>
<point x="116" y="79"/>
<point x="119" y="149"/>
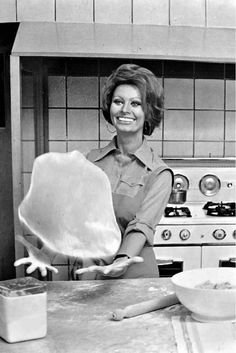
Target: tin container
<point x="178" y="197"/>
<point x="23" y="309"/>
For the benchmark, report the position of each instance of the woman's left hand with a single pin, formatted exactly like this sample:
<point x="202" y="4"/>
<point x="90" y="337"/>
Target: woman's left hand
<point x="38" y="258"/>
<point x="116" y="269"/>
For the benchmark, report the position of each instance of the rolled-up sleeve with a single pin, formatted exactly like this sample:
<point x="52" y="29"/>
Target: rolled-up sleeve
<point x="155" y="198"/>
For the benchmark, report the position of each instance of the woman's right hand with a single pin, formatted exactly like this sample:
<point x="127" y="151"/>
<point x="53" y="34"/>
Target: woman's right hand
<point x="116" y="269"/>
<point x="37" y="258"/>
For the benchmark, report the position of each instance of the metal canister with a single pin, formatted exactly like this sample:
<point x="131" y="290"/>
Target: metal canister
<point x="23" y="309"/>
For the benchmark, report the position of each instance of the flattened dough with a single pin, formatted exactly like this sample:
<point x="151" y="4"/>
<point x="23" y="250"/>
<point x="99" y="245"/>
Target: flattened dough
<point x="69" y="207"/>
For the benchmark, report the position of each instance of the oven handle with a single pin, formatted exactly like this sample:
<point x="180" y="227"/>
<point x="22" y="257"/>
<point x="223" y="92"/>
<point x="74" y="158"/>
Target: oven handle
<point x="161" y="261"/>
<point x="229" y="259"/>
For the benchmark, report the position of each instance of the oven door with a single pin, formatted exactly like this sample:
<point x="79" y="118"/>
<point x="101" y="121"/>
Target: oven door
<point x="219" y="256"/>
<point x="174" y="259"/>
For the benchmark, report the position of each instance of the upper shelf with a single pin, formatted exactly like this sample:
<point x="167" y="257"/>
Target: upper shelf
<point x="125" y="41"/>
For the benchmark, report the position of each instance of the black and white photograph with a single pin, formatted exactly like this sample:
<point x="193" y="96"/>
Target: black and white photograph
<point x="117" y="176"/>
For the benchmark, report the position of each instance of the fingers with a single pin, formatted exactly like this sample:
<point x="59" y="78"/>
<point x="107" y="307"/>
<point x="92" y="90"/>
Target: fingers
<point x="85" y="270"/>
<point x="135" y="260"/>
<point x="53" y="269"/>
<point x="99" y="269"/>
<point x="43" y="271"/>
<point x="124" y="262"/>
<point x="31" y="268"/>
<point x="34" y="266"/>
<point x="24" y="260"/>
<point x="115" y="269"/>
<point x="107" y="270"/>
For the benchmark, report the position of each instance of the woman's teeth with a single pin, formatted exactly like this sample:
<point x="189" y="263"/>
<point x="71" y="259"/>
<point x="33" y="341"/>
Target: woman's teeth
<point x="122" y="118"/>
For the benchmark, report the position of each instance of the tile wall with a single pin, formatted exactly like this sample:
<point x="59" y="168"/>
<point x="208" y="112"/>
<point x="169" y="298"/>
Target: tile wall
<point x="199" y="119"/>
<point x="199" y="13"/>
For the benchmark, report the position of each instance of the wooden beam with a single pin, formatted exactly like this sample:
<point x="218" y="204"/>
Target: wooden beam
<point x="16" y="151"/>
<point x="125" y="41"/>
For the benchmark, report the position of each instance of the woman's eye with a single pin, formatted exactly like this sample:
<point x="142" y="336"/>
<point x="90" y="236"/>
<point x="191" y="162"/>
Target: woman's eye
<point x="136" y="104"/>
<point x="117" y="101"/>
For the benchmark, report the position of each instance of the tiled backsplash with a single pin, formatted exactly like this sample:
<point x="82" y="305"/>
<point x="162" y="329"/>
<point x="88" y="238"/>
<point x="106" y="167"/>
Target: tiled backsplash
<point x="198" y="13"/>
<point x="199" y="119"/>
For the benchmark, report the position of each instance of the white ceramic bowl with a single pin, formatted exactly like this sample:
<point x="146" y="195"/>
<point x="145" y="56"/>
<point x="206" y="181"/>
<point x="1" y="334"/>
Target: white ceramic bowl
<point x="207" y="305"/>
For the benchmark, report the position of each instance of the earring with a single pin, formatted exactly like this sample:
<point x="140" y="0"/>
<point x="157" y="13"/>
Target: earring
<point x="108" y="126"/>
<point x="147" y="128"/>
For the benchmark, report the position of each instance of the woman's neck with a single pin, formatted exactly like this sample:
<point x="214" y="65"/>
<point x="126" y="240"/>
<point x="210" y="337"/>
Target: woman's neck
<point x="129" y="144"/>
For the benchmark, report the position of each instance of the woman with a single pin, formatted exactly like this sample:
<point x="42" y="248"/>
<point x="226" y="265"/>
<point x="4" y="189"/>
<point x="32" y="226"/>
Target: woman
<point x="141" y="183"/>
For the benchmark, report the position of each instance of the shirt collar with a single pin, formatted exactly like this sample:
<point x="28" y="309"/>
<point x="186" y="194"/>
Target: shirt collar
<point x="143" y="153"/>
<point x="102" y="152"/>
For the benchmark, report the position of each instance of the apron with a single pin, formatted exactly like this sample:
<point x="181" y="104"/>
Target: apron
<point x="128" y="192"/>
<point x="126" y="204"/>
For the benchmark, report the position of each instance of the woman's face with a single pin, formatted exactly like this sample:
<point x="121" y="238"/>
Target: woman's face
<point x="126" y="110"/>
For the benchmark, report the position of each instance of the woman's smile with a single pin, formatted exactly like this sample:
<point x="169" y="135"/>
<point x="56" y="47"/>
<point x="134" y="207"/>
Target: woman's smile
<point x="125" y="119"/>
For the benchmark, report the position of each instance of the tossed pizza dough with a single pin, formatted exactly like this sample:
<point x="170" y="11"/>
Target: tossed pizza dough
<point x="69" y="207"/>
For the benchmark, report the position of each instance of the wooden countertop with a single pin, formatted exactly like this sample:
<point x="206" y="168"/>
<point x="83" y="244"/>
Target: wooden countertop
<point x="78" y="319"/>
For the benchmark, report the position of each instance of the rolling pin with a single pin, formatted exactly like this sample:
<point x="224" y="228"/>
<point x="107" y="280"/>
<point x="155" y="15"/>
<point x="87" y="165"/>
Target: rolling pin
<point x="144" y="307"/>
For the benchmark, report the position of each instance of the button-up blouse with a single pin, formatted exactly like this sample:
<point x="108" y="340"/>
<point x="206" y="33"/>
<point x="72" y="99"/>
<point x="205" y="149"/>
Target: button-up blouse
<point x="141" y="185"/>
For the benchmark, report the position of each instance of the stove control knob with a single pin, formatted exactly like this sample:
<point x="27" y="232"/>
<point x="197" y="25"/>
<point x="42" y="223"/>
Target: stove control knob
<point x="219" y="234"/>
<point x="166" y="234"/>
<point x="234" y="234"/>
<point x="184" y="234"/>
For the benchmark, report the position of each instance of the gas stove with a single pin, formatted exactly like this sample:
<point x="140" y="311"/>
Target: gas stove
<point x="220" y="209"/>
<point x="210" y="205"/>
<point x="177" y="212"/>
<point x="206" y="219"/>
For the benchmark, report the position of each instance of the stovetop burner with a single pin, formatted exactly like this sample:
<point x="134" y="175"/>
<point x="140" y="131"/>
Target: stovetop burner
<point x="221" y="209"/>
<point x="177" y="212"/>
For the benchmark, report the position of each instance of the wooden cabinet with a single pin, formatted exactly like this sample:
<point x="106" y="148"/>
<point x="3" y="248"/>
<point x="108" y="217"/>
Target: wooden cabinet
<point x="7" y="248"/>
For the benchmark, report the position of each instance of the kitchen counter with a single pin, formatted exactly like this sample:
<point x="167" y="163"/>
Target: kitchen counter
<point x="78" y="319"/>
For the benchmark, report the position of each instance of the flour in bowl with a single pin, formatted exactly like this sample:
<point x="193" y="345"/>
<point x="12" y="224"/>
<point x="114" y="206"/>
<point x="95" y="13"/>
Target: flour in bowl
<point x="210" y="285"/>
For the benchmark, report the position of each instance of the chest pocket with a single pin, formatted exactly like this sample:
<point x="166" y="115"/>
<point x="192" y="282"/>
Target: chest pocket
<point x="130" y="185"/>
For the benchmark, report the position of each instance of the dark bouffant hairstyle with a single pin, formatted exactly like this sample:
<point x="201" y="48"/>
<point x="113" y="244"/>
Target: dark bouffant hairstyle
<point x="150" y="89"/>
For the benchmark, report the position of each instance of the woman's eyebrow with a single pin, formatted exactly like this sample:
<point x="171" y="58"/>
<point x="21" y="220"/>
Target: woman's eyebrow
<point x="136" y="97"/>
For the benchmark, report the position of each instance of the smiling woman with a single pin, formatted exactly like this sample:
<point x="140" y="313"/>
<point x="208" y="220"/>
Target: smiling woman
<point x="139" y="181"/>
<point x="132" y="102"/>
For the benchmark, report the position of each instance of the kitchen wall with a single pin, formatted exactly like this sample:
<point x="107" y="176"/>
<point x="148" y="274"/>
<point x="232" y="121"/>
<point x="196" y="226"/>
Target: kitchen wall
<point x="199" y="13"/>
<point x="199" y="120"/>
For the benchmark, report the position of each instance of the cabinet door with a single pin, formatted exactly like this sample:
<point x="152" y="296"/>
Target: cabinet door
<point x="190" y="256"/>
<point x="218" y="256"/>
<point x="7" y="242"/>
<point x="7" y="250"/>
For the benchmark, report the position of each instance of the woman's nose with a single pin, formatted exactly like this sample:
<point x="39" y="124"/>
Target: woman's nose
<point x="126" y="107"/>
